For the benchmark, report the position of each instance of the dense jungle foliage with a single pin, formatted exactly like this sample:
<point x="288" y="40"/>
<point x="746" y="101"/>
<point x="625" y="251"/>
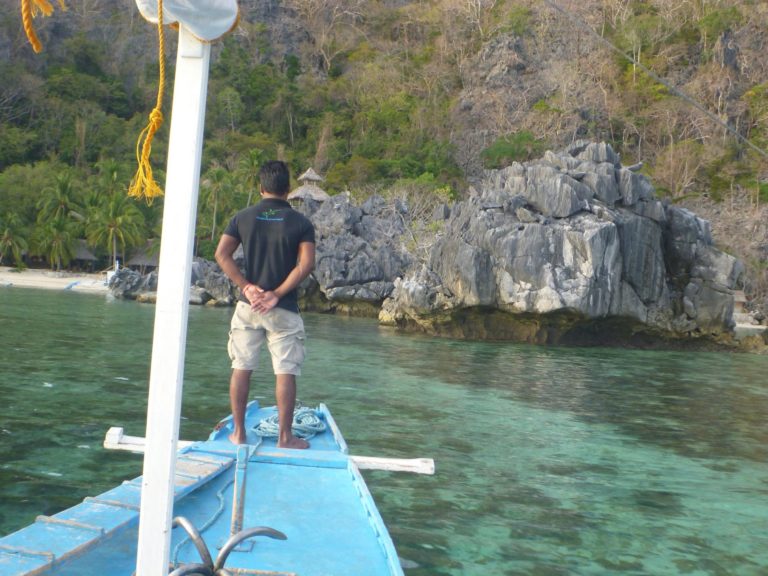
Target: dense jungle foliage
<point x="399" y="97"/>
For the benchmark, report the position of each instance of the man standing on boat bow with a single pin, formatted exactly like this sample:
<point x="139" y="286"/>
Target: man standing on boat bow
<point x="279" y="249"/>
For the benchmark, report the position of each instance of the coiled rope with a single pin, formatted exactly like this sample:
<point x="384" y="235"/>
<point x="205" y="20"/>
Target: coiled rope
<point x="306" y="424"/>
<point x="143" y="183"/>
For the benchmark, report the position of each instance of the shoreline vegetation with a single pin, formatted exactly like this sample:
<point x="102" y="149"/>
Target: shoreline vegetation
<point x="53" y="280"/>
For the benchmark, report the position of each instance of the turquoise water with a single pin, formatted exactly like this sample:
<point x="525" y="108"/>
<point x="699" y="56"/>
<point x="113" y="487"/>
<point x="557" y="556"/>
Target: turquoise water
<point x="549" y="460"/>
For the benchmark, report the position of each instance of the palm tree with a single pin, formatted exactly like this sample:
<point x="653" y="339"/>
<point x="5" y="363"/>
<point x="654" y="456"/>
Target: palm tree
<point x="249" y="168"/>
<point x="59" y="200"/>
<point x="215" y="184"/>
<point x="56" y="241"/>
<point x="115" y="222"/>
<point x="12" y="238"/>
<point x="107" y="182"/>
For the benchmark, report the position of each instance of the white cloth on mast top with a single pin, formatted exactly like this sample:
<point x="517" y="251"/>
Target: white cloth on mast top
<point x="207" y="20"/>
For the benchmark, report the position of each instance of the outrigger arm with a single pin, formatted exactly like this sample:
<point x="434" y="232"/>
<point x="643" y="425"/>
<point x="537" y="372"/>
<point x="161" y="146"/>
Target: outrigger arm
<point x="115" y="439"/>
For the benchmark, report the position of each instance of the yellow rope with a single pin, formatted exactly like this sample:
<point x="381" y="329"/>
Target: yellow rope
<point x="143" y="183"/>
<point x="29" y="10"/>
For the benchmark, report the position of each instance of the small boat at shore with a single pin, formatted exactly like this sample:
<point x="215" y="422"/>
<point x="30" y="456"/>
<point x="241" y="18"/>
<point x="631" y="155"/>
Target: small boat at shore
<point x="247" y="509"/>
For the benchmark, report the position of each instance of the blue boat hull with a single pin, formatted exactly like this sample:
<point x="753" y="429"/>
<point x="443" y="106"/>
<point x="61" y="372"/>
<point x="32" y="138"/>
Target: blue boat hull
<point x="316" y="498"/>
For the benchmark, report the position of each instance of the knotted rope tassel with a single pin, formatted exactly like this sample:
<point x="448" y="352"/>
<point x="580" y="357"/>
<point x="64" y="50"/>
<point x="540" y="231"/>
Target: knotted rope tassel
<point x="143" y="183"/>
<point x="29" y="10"/>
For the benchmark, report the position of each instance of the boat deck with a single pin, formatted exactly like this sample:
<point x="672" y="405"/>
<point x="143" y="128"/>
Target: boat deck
<point x="316" y="497"/>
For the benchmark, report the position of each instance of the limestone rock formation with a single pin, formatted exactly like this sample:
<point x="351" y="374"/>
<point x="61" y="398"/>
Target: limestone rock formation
<point x="359" y="254"/>
<point x="209" y="285"/>
<point x="128" y="284"/>
<point x="570" y="248"/>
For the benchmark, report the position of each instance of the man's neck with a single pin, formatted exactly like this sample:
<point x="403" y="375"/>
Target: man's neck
<point x="270" y="196"/>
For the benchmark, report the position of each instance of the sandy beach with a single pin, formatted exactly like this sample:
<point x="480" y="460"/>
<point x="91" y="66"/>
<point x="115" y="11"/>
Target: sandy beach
<point x="49" y="279"/>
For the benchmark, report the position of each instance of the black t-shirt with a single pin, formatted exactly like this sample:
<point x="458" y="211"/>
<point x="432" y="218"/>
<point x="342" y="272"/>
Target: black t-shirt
<point x="270" y="233"/>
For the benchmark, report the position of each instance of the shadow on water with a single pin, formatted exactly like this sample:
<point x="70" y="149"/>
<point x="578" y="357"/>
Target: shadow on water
<point x="700" y="404"/>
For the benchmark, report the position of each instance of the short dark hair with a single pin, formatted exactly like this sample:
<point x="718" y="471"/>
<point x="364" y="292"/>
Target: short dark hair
<point x="275" y="177"/>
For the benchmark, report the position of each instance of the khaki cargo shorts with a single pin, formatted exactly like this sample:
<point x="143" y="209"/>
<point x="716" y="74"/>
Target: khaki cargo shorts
<point x="283" y="331"/>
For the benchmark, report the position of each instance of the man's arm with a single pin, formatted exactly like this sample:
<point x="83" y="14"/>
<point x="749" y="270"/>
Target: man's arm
<point x="224" y="251"/>
<point x="304" y="266"/>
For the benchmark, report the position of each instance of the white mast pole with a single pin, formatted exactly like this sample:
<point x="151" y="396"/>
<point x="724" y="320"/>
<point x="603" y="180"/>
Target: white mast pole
<point x="171" y="311"/>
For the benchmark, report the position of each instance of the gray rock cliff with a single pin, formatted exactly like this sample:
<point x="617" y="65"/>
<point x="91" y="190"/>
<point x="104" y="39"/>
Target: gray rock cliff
<point x="359" y="254"/>
<point x="564" y="248"/>
<point x="570" y="248"/>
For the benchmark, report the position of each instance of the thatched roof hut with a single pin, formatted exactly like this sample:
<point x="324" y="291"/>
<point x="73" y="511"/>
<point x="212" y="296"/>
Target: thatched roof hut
<point x="309" y="188"/>
<point x="145" y="256"/>
<point x="82" y="252"/>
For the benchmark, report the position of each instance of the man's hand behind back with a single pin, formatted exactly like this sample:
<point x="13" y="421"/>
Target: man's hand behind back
<point x="262" y="301"/>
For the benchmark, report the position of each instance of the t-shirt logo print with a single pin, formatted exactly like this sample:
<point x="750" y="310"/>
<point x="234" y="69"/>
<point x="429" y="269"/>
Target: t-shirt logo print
<point x="272" y="215"/>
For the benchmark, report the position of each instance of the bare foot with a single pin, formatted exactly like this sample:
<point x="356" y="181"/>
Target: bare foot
<point x="295" y="443"/>
<point x="237" y="439"/>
